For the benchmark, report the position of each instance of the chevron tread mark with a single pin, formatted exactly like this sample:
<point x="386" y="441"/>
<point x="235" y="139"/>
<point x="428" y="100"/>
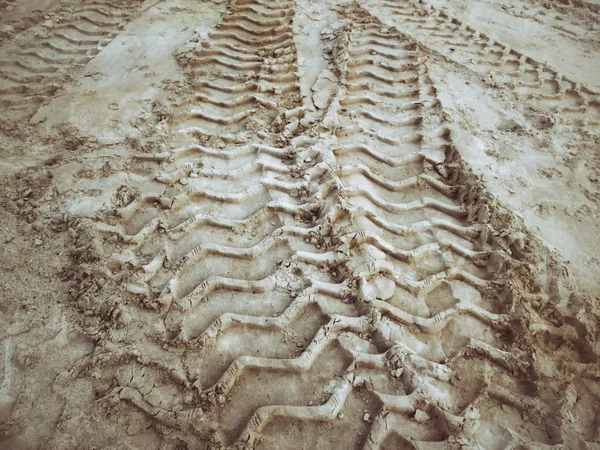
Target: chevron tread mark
<point x="39" y="60"/>
<point x="534" y="81"/>
<point x="244" y="76"/>
<point x="359" y="280"/>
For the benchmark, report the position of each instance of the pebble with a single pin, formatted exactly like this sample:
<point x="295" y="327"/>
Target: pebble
<point x="358" y="382"/>
<point x="184" y="181"/>
<point x="307" y="159"/>
<point x="421" y="416"/>
<point x="397" y="373"/>
<point x="38" y="242"/>
<point x="367" y="417"/>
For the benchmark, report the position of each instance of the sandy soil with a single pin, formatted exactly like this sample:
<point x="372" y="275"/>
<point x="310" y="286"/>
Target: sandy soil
<point x="296" y="225"/>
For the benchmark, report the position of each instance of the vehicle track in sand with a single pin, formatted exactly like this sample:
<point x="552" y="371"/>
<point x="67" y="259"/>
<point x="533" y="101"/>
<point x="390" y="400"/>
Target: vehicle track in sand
<point x="38" y="62"/>
<point x="281" y="275"/>
<point x="244" y="74"/>
<point x="359" y="279"/>
<point x="535" y="82"/>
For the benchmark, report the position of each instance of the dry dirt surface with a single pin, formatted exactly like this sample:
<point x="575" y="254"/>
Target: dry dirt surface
<point x="299" y="224"/>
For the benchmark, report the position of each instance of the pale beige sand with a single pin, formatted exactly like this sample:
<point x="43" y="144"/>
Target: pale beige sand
<point x="297" y="225"/>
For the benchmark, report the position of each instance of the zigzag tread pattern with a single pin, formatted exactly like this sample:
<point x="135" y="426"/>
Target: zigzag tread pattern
<point x="358" y="280"/>
<point x="36" y="63"/>
<point x="244" y="76"/>
<point x="534" y="81"/>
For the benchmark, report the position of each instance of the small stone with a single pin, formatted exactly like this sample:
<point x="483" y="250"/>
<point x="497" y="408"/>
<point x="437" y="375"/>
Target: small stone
<point x="367" y="417"/>
<point x="308" y="159"/>
<point x="27" y="193"/>
<point x="421" y="416"/>
<point x="397" y="373"/>
<point x="184" y="181"/>
<point x="341" y="415"/>
<point x="358" y="382"/>
<point x="37" y="226"/>
<point x="177" y="408"/>
<point x="38" y="242"/>
<point x="20" y="202"/>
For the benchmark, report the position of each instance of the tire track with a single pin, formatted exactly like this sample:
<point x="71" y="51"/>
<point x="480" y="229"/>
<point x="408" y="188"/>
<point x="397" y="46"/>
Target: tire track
<point x="275" y="283"/>
<point x="459" y="324"/>
<point x="42" y="59"/>
<point x="534" y="81"/>
<point x="198" y="231"/>
<point x="403" y="273"/>
<point x="244" y="76"/>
